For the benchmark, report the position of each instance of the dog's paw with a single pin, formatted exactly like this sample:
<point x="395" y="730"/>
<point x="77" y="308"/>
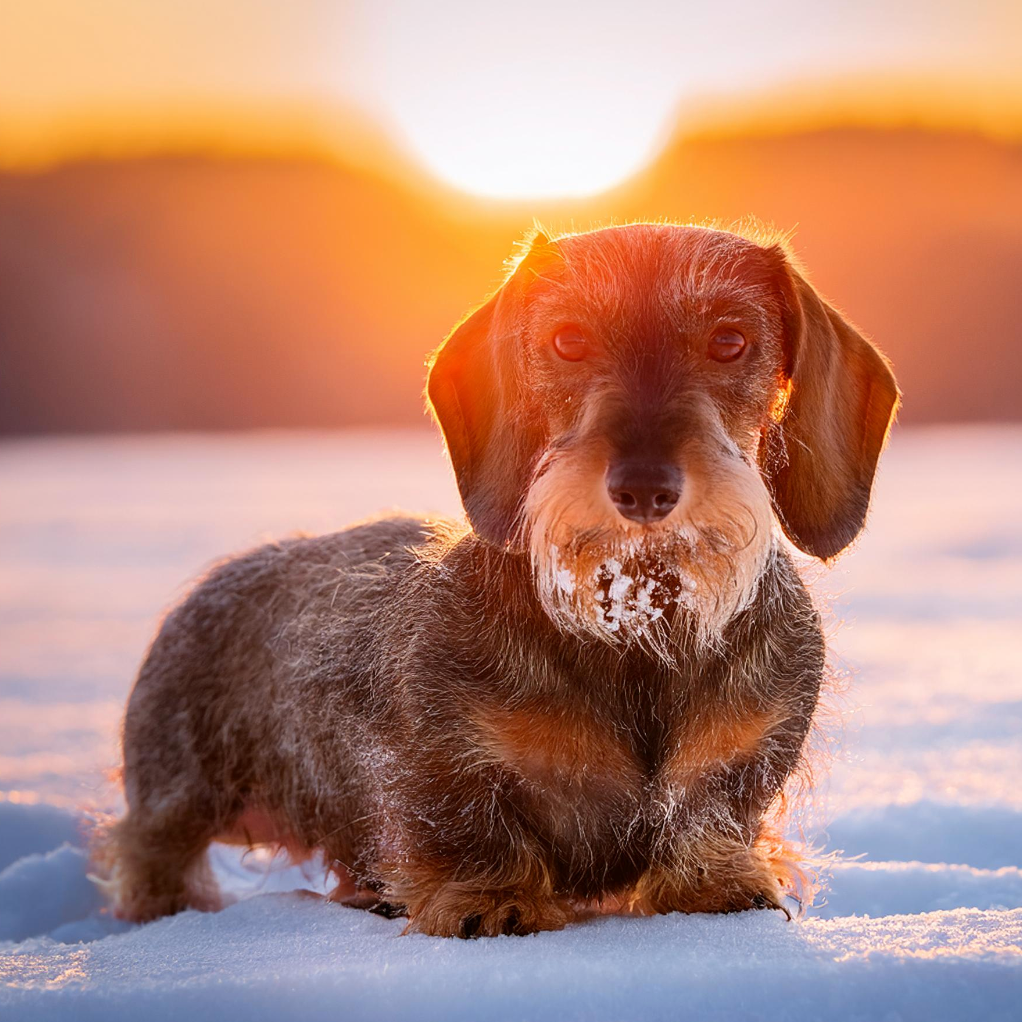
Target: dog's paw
<point x="767" y="896"/>
<point x="771" y="901"/>
<point x="504" y="921"/>
<point x="139" y="903"/>
<point x="142" y="899"/>
<point x="739" y="884"/>
<point x="457" y="913"/>
<point x="369" y="901"/>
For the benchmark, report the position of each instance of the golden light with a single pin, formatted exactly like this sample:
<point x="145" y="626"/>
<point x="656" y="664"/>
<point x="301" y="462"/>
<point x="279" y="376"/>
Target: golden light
<point x="536" y="98"/>
<point x="532" y="100"/>
<point x="549" y="98"/>
<point x="527" y="146"/>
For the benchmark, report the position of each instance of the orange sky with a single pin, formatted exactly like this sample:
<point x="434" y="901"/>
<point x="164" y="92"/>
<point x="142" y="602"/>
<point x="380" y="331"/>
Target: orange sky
<point x="537" y="97"/>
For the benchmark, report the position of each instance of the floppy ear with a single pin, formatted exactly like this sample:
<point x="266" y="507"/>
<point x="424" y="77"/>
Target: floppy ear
<point x="476" y="393"/>
<point x="820" y="462"/>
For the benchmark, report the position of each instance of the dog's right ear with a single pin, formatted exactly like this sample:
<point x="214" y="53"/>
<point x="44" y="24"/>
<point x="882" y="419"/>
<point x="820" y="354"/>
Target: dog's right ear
<point x="475" y="391"/>
<point x="842" y="398"/>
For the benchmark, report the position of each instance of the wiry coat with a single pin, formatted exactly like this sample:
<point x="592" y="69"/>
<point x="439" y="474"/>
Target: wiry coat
<point x="473" y="740"/>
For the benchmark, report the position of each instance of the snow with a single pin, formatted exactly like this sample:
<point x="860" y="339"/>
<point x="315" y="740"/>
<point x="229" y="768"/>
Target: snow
<point x="987" y="836"/>
<point x="261" y="958"/>
<point x="912" y="888"/>
<point x="922" y="913"/>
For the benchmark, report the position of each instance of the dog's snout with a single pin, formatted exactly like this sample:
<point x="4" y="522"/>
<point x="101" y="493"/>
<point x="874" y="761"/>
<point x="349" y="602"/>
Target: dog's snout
<point x="644" y="491"/>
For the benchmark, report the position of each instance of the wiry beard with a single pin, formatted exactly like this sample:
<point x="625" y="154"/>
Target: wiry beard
<point x="648" y="593"/>
<point x="621" y="588"/>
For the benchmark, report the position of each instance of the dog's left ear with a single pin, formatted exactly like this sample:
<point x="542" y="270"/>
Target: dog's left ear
<point x="820" y="462"/>
<point x="476" y="392"/>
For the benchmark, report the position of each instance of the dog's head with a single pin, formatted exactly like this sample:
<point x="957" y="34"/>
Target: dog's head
<point x="634" y="404"/>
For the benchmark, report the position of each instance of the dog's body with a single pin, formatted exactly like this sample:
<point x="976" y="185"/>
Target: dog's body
<point x="581" y="698"/>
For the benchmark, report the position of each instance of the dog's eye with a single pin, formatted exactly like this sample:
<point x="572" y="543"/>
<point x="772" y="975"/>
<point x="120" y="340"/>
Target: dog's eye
<point x="570" y="343"/>
<point x="726" y="346"/>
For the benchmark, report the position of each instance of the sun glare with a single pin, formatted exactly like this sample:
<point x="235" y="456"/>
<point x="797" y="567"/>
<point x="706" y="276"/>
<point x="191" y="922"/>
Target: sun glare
<point x="524" y="100"/>
<point x="546" y="99"/>
<point x="526" y="150"/>
<point x="508" y="111"/>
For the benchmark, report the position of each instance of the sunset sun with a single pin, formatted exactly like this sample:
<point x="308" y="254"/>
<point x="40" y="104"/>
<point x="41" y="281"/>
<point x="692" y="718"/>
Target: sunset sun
<point x="528" y="142"/>
<point x="520" y="118"/>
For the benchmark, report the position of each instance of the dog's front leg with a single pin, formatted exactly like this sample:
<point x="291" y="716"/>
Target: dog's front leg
<point x="469" y="867"/>
<point x="716" y="852"/>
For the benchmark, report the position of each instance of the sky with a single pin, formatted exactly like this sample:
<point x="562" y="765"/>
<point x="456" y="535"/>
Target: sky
<point x="538" y="97"/>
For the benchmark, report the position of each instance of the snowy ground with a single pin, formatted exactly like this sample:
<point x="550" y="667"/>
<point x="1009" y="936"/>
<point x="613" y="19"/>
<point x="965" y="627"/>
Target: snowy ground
<point x="97" y="536"/>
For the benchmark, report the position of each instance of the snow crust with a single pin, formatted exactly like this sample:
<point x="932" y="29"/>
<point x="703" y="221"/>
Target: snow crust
<point x="263" y="958"/>
<point x="921" y="917"/>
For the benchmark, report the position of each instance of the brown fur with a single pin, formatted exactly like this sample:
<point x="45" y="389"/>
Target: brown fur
<point x="554" y="749"/>
<point x="717" y="743"/>
<point x="491" y="728"/>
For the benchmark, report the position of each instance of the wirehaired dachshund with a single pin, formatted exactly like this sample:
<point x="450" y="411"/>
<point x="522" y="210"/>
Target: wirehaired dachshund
<point x="590" y="694"/>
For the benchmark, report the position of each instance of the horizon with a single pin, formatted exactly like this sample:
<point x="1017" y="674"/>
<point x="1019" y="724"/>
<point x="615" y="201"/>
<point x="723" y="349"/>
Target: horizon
<point x="347" y="138"/>
<point x="217" y="293"/>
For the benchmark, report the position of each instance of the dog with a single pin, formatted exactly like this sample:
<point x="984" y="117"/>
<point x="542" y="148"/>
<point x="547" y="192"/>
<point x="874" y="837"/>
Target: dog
<point x="594" y="691"/>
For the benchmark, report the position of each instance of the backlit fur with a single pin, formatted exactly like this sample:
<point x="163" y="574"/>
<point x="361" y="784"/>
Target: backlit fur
<point x="495" y="727"/>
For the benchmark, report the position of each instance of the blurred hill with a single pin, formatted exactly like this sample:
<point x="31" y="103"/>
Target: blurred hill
<point x="207" y="293"/>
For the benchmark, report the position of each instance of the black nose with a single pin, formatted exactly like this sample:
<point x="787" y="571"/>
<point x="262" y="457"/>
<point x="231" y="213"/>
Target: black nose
<point x="644" y="491"/>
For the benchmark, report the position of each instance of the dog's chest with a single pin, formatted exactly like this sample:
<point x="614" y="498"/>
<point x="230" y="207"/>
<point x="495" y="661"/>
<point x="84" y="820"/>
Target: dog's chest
<point x="561" y="752"/>
<point x="601" y="790"/>
<point x="588" y="769"/>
